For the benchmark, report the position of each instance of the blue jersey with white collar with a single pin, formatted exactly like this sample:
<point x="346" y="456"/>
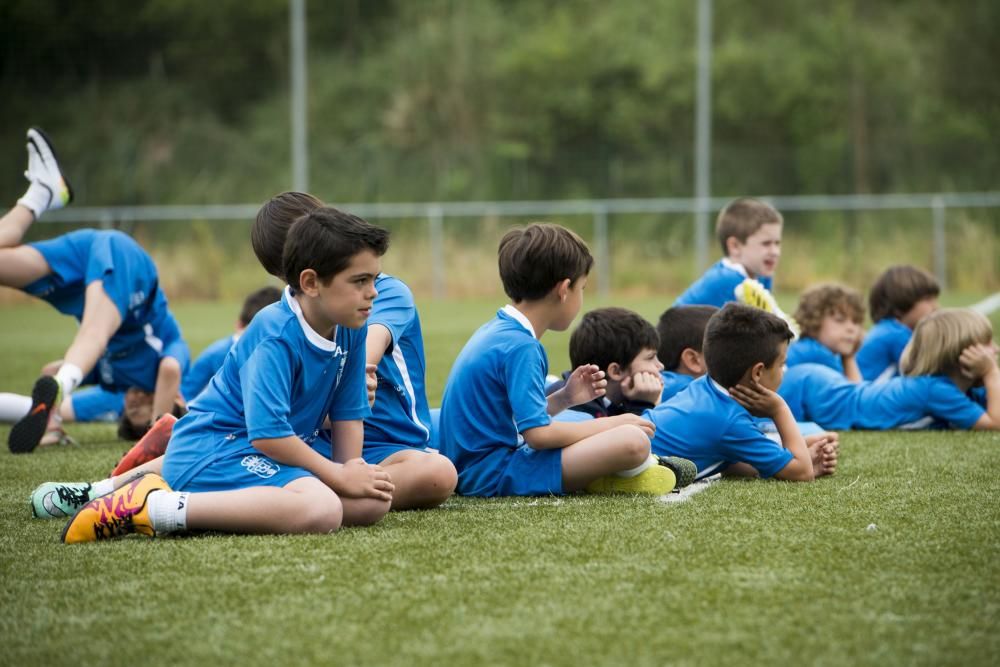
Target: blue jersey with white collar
<point x="673" y="384"/>
<point x="878" y="358"/>
<point x="496" y="390"/>
<point x="205" y="366"/>
<point x="401" y="414"/>
<point x="819" y="394"/>
<point x="717" y="286"/>
<point x="281" y="378"/>
<point x="811" y="351"/>
<point x="706" y="425"/>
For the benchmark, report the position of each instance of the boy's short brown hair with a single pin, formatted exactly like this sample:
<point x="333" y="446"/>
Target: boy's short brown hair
<point x="827" y="299"/>
<point x="739" y="336"/>
<point x="741" y="218"/>
<point x="270" y="228"/>
<point x="534" y="259"/>
<point x="256" y="301"/>
<point x="325" y="240"/>
<point x="611" y="335"/>
<point x="898" y="289"/>
<point x="681" y="327"/>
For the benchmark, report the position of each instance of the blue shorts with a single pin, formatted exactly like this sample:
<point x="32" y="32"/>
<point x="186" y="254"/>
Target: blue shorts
<point x="375" y="453"/>
<point x="522" y="472"/>
<point x="97" y="404"/>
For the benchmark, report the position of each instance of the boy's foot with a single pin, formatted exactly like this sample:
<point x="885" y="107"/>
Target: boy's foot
<point x="684" y="470"/>
<point x="27" y="433"/>
<point x="54" y="500"/>
<point x="151" y="446"/>
<point x="119" y="513"/>
<point x="656" y="480"/>
<point x="49" y="189"/>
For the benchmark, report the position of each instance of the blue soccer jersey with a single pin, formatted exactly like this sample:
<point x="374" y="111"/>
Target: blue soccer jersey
<point x="401" y="415"/>
<point x="717" y="286"/>
<point x="819" y="394"/>
<point x="706" y="425"/>
<point x="811" y="351"/>
<point x="205" y="366"/>
<point x="148" y="331"/>
<point x="495" y="392"/>
<point x="673" y="384"/>
<point x="878" y="358"/>
<point x="281" y="378"/>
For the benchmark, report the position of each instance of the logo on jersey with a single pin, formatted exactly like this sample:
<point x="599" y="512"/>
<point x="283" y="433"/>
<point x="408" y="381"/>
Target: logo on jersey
<point x="260" y="466"/>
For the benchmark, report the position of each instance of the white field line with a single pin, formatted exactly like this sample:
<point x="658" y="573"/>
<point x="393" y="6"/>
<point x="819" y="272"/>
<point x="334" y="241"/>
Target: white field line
<point x="987" y="305"/>
<point x="697" y="487"/>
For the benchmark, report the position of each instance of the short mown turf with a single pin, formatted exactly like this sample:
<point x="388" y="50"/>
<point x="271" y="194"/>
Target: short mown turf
<point x="893" y="561"/>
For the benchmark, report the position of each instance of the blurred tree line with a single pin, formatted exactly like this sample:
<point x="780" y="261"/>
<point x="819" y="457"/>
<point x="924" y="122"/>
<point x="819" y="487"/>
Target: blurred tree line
<point x="186" y="101"/>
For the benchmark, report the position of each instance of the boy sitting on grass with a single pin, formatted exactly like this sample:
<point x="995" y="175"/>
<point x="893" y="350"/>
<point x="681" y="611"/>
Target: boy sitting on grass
<point x="681" y="330"/>
<point x="623" y="344"/>
<point x="712" y="421"/>
<point x="899" y="299"/>
<point x="830" y="317"/>
<point x="241" y="461"/>
<point x="495" y="423"/>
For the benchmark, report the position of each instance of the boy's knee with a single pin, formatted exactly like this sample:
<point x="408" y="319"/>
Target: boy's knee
<point x="321" y="515"/>
<point x="635" y="443"/>
<point x="170" y="369"/>
<point x="438" y="479"/>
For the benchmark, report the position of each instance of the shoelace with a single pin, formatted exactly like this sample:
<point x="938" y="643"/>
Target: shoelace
<point x="76" y="497"/>
<point x="114" y="527"/>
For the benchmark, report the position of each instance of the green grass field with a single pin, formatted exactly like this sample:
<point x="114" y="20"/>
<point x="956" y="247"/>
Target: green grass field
<point x="893" y="561"/>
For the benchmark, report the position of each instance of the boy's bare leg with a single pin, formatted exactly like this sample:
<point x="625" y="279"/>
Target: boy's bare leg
<point x="422" y="479"/>
<point x="363" y="511"/>
<point x="14" y="224"/>
<point x="21" y="265"/>
<point x="303" y="506"/>
<point x="617" y="449"/>
<point x="168" y="385"/>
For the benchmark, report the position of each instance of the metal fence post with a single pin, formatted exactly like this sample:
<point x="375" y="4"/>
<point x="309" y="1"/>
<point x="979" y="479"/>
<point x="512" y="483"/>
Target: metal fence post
<point x="435" y="225"/>
<point x="940" y="242"/>
<point x="601" y="248"/>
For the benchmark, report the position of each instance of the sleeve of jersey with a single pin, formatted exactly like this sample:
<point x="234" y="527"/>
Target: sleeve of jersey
<point x="266" y="378"/>
<point x="394" y="308"/>
<point x="948" y="403"/>
<point x="351" y="398"/>
<point x="524" y="376"/>
<point x="744" y="443"/>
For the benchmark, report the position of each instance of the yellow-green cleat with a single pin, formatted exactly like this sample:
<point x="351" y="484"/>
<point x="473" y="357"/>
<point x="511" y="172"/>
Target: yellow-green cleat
<point x="656" y="480"/>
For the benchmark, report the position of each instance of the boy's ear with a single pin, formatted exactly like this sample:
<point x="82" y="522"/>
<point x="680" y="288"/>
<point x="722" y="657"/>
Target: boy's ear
<point x="733" y="245"/>
<point x="562" y="289"/>
<point x="616" y="372"/>
<point x="693" y="361"/>
<point x="309" y="282"/>
<point x="757" y="371"/>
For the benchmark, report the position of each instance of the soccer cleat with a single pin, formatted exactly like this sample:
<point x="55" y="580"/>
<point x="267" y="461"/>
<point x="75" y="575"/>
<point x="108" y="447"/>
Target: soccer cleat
<point x="656" y="480"/>
<point x="752" y="293"/>
<point x="54" y="500"/>
<point x="28" y="432"/>
<point x="151" y="446"/>
<point x="119" y="513"/>
<point x="49" y="189"/>
<point x="684" y="470"/>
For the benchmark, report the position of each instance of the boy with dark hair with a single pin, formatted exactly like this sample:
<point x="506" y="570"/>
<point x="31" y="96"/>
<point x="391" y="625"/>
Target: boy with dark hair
<point x="127" y="335"/>
<point x="900" y="298"/>
<point x="495" y="416"/>
<point x="211" y="358"/>
<point x="682" y="330"/>
<point x="712" y="423"/>
<point x="830" y="317"/>
<point x="240" y="460"/>
<point x="623" y="344"/>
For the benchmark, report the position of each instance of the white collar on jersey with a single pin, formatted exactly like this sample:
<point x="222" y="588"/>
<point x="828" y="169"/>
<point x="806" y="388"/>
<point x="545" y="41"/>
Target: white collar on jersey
<point x="735" y="266"/>
<point x="722" y="390"/>
<point x="322" y="342"/>
<point x="521" y="319"/>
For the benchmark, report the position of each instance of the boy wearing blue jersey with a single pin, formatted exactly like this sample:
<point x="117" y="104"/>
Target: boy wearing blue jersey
<point x="241" y="460"/>
<point x="830" y="317"/>
<point x="899" y="299"/>
<point x="398" y="432"/>
<point x="712" y="421"/>
<point x="210" y="360"/>
<point x="127" y="335"/>
<point x="682" y="330"/>
<point x="950" y="380"/>
<point x="495" y="416"/>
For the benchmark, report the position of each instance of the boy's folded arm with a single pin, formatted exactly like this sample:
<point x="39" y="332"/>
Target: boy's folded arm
<point x="293" y="451"/>
<point x="800" y="468"/>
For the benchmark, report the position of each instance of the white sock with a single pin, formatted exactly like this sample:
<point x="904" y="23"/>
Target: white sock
<point x="168" y="510"/>
<point x="69" y="377"/>
<point x="651" y="461"/>
<point x="101" y="488"/>
<point x="13" y="407"/>
<point x="37" y="198"/>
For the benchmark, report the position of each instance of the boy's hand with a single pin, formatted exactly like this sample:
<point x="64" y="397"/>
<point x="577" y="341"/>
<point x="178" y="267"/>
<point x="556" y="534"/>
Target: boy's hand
<point x="648" y="427"/>
<point x="586" y="383"/>
<point x="759" y="400"/>
<point x="361" y="480"/>
<point x="977" y="361"/>
<point x="643" y="386"/>
<point x="371" y="382"/>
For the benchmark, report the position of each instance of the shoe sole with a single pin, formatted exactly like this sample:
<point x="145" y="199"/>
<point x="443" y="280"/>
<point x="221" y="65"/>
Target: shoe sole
<point x="146" y="450"/>
<point x="52" y="149"/>
<point x="28" y="432"/>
